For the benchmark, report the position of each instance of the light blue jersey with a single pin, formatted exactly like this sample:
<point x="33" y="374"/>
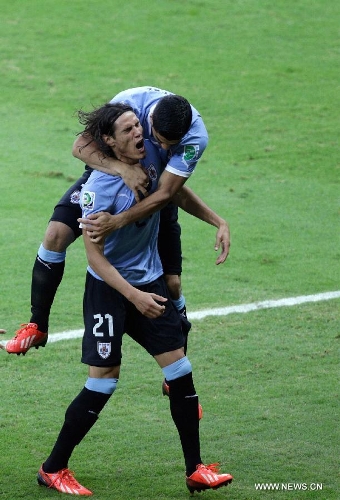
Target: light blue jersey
<point x="181" y="159"/>
<point x="132" y="250"/>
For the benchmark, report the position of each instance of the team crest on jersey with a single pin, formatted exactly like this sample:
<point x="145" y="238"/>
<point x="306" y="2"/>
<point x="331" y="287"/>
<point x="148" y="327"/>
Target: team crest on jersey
<point x="75" y="197"/>
<point x="104" y="349"/>
<point x="88" y="199"/>
<point x="190" y="152"/>
<point x="152" y="172"/>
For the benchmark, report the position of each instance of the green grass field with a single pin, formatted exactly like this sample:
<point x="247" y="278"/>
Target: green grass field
<point x="265" y="77"/>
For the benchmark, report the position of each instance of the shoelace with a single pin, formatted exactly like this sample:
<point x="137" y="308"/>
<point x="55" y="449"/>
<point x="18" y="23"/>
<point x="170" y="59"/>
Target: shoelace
<point x="68" y="475"/>
<point x="23" y="326"/>
<point x="211" y="467"/>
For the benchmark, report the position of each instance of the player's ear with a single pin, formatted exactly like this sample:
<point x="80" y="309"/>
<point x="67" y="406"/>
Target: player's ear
<point x="109" y="140"/>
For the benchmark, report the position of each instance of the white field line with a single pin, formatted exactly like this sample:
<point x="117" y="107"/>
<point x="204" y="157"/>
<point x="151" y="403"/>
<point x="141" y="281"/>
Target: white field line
<point x="224" y="311"/>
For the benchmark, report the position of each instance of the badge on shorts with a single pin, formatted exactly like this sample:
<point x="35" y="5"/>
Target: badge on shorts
<point x="75" y="197"/>
<point x="104" y="349"/>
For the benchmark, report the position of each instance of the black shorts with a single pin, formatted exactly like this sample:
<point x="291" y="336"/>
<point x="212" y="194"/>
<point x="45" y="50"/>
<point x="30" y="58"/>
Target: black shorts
<point x="68" y="209"/>
<point x="108" y="315"/>
<point x="169" y="240"/>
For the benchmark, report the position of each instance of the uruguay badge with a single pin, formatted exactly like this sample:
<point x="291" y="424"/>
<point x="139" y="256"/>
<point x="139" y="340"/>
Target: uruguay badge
<point x="104" y="349"/>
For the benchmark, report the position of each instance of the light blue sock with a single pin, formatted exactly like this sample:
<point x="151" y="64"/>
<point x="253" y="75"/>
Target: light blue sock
<point x="177" y="369"/>
<point x="50" y="255"/>
<point x="104" y="385"/>
<point x="179" y="303"/>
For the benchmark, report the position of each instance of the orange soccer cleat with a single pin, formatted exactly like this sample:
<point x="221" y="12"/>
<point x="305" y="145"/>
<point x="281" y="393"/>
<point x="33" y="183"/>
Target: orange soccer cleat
<point x="26" y="337"/>
<point x="62" y="481"/>
<point x="207" y="477"/>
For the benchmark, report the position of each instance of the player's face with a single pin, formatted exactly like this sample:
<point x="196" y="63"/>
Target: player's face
<point x="128" y="142"/>
<point x="162" y="141"/>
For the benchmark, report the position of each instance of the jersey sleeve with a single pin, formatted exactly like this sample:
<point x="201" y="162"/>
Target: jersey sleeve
<point x="185" y="155"/>
<point x="95" y="197"/>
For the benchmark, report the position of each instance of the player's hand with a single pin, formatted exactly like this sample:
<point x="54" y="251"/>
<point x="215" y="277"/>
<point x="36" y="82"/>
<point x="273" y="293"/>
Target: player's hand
<point x="137" y="179"/>
<point x="98" y="225"/>
<point x="147" y="304"/>
<point x="222" y="242"/>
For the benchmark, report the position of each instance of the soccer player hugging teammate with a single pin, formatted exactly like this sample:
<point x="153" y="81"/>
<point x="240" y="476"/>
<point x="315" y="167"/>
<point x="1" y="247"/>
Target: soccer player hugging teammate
<point x="126" y="292"/>
<point x="178" y="132"/>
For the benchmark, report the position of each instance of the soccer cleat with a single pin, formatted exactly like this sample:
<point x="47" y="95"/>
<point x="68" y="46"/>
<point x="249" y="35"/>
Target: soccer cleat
<point x="165" y="388"/>
<point x="62" y="481"/>
<point x="28" y="336"/>
<point x="206" y="477"/>
<point x="165" y="391"/>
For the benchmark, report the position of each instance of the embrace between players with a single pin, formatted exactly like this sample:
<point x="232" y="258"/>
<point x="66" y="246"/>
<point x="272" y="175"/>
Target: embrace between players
<point x="134" y="265"/>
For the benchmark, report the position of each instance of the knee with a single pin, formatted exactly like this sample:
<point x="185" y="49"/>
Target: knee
<point x="58" y="237"/>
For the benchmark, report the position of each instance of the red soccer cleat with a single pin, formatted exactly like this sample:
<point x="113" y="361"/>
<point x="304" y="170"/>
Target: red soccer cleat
<point x="207" y="477"/>
<point x="165" y="388"/>
<point x="26" y="337"/>
<point x="62" y="481"/>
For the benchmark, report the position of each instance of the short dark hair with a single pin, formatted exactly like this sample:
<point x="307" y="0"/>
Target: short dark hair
<point x="172" y="117"/>
<point x="101" y="121"/>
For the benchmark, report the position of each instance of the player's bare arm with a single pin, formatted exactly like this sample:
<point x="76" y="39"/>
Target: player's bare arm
<point x="188" y="201"/>
<point x="103" y="223"/>
<point x="144" y="302"/>
<point x="100" y="224"/>
<point x="134" y="176"/>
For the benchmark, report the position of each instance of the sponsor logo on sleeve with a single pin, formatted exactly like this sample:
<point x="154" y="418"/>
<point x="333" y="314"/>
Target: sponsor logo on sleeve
<point x="190" y="152"/>
<point x="88" y="200"/>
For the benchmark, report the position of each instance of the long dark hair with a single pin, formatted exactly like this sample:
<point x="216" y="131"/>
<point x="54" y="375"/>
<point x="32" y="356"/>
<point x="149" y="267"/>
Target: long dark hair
<point x="101" y="121"/>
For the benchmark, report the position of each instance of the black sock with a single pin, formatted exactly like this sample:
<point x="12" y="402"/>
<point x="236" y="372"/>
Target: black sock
<point x="46" y="278"/>
<point x="80" y="416"/>
<point x="186" y="326"/>
<point x="184" y="411"/>
<point x="183" y="312"/>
